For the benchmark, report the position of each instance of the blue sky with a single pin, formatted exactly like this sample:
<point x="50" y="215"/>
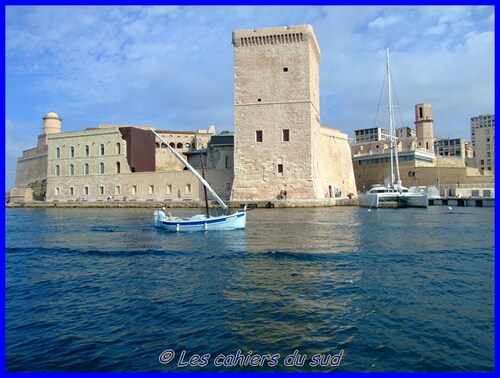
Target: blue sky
<point x="172" y="66"/>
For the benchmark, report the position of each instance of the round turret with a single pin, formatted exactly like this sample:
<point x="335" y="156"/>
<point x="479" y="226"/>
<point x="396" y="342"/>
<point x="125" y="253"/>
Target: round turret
<point x="51" y="123"/>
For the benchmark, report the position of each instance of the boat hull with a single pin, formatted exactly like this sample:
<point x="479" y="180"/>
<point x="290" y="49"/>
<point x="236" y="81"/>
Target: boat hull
<point x="224" y="222"/>
<point x="376" y="200"/>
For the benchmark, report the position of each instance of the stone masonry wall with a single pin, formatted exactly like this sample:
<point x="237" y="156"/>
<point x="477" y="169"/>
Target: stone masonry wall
<point x="276" y="72"/>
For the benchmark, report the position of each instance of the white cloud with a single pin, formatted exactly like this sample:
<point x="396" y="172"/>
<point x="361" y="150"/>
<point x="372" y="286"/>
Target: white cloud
<point x="384" y="22"/>
<point x="437" y="30"/>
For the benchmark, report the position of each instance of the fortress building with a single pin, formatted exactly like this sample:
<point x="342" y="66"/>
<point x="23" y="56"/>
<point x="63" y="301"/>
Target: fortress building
<point x="31" y="169"/>
<point x="279" y="143"/>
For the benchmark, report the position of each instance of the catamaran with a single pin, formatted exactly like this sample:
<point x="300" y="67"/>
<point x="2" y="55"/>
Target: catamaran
<point x="199" y="222"/>
<point x="392" y="193"/>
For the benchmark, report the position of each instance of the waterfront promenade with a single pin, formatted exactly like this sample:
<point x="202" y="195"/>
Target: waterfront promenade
<point x="327" y="202"/>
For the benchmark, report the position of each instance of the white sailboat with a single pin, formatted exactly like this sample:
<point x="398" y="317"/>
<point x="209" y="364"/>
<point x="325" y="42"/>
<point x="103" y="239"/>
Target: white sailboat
<point x="199" y="222"/>
<point x="392" y="193"/>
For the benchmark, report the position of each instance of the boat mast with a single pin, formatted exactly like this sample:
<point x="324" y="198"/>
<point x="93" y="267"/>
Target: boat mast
<point x="188" y="166"/>
<point x="392" y="132"/>
<point x="204" y="187"/>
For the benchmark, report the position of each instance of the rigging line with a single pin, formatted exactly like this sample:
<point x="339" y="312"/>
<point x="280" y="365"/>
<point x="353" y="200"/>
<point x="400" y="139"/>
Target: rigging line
<point x="380" y="98"/>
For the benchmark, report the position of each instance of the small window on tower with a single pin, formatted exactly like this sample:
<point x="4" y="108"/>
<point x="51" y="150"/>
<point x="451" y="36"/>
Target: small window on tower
<point x="286" y="135"/>
<point x="280" y="168"/>
<point x="285" y="69"/>
<point x="258" y="136"/>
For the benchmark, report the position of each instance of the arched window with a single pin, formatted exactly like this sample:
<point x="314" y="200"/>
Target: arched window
<point x="157" y="145"/>
<point x="118" y="149"/>
<point x="163" y="145"/>
<point x="58" y="152"/>
<point x="72" y="151"/>
<point x="87" y="150"/>
<point x="71" y="170"/>
<point x="102" y="149"/>
<point x="172" y="144"/>
<point x="58" y="170"/>
<point x="86" y="169"/>
<point x="101" y="168"/>
<point x="117" y="167"/>
<point x="179" y="145"/>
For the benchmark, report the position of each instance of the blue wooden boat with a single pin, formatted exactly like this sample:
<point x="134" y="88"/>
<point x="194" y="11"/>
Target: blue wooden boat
<point x="200" y="222"/>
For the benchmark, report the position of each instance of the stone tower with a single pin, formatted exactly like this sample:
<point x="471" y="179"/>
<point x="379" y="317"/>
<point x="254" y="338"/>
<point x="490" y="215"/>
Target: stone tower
<point x="424" y="126"/>
<point x="276" y="112"/>
<point x="51" y="123"/>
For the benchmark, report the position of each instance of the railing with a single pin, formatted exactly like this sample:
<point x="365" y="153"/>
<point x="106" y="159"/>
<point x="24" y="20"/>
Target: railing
<point x="469" y="186"/>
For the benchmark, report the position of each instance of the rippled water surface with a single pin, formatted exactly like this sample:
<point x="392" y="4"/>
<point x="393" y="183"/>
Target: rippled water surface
<point x="386" y="290"/>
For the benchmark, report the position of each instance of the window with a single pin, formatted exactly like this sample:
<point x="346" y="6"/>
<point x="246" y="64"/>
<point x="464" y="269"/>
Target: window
<point x="169" y="188"/>
<point x="101" y="168"/>
<point x="101" y="190"/>
<point x="71" y="170"/>
<point x="179" y="145"/>
<point x="87" y="150"/>
<point x="58" y="170"/>
<point x="280" y="168"/>
<point x="227" y="161"/>
<point x="420" y="112"/>
<point x="117" y="167"/>
<point x="187" y="188"/>
<point x="102" y="149"/>
<point x="72" y="151"/>
<point x="172" y="144"/>
<point x="86" y="169"/>
<point x="71" y="191"/>
<point x="285" y="69"/>
<point x="58" y="152"/>
<point x="118" y="190"/>
<point x="86" y="190"/>
<point x="118" y="149"/>
<point x="56" y="191"/>
<point x="286" y="135"/>
<point x="258" y="136"/>
<point x="151" y="189"/>
<point x="134" y="189"/>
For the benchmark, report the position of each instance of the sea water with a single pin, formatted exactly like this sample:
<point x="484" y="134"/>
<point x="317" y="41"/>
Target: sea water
<point x="324" y="289"/>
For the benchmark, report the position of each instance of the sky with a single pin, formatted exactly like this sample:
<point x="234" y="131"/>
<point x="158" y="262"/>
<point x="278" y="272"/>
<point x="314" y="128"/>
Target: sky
<point x="171" y="67"/>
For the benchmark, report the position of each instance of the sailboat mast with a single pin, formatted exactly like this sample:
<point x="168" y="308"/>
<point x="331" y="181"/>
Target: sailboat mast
<point x="188" y="166"/>
<point x="204" y="187"/>
<point x="392" y="132"/>
<point x="391" y="125"/>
